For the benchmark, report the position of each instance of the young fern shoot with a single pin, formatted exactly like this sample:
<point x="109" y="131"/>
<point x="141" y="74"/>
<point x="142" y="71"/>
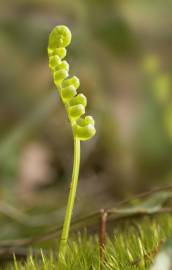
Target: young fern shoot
<point x="82" y="126"/>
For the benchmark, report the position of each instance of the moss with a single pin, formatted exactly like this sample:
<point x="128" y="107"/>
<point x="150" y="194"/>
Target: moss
<point x="131" y="247"/>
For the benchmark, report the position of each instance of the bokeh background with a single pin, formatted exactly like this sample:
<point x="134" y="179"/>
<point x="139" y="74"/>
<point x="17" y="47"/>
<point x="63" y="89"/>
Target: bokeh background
<point x="121" y="51"/>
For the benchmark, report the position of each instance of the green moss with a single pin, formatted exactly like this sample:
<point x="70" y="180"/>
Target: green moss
<point x="131" y="247"/>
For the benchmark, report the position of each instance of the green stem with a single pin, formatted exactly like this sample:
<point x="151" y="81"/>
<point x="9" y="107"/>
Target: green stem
<point x="71" y="199"/>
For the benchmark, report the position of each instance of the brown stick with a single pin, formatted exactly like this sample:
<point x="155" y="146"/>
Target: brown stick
<point x="102" y="235"/>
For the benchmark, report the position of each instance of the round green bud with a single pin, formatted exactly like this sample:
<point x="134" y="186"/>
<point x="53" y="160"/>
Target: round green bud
<point x="61" y="52"/>
<point x="84" y="133"/>
<point x="54" y="61"/>
<point x="67" y="93"/>
<point x="72" y="81"/>
<point x="88" y="120"/>
<point x="63" y="65"/>
<point x="79" y="99"/>
<point x="81" y="122"/>
<point x="60" y="75"/>
<point x="59" y="37"/>
<point x="76" y="111"/>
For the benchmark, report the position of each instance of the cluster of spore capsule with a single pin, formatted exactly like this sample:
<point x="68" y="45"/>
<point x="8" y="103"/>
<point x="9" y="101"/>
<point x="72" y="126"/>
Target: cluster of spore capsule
<point x="75" y="104"/>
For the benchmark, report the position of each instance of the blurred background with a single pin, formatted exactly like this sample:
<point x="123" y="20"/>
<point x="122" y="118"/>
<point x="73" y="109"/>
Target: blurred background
<point x="121" y="51"/>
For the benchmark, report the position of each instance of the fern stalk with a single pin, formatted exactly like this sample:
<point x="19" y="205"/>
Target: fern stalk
<point x="82" y="126"/>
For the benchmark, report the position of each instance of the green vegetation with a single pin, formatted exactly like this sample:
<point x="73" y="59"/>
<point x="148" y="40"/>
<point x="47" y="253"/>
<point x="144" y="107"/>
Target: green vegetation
<point x="132" y="246"/>
<point x="83" y="127"/>
<point x="132" y="153"/>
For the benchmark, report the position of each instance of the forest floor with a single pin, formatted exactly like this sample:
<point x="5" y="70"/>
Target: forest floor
<point x="130" y="246"/>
